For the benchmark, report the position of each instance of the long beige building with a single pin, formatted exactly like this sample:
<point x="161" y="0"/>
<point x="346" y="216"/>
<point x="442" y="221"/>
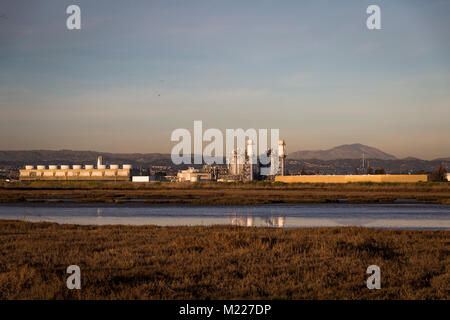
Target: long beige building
<point x="378" y="178"/>
<point x="76" y="173"/>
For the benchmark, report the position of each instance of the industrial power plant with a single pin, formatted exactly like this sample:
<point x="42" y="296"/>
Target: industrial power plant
<point x="242" y="165"/>
<point x="249" y="167"/>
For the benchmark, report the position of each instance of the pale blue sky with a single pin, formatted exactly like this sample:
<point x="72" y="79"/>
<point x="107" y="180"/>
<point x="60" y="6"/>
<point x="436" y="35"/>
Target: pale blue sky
<point x="139" y="69"/>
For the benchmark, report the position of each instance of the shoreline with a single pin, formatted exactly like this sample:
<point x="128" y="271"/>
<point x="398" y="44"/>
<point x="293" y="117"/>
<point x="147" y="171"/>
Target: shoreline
<point x="92" y="225"/>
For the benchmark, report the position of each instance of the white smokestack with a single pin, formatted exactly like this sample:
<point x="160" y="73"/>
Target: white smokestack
<point x="281" y="157"/>
<point x="99" y="161"/>
<point x="281" y="148"/>
<point x="250" y="148"/>
<point x="251" y="157"/>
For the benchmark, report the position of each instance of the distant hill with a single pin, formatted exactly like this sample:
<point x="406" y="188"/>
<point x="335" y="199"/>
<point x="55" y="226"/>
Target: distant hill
<point x="69" y="157"/>
<point x="410" y="159"/>
<point x="345" y="151"/>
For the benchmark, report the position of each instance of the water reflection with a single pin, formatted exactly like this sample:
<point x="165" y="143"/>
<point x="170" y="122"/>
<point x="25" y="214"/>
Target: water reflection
<point x="99" y="215"/>
<point x="276" y="221"/>
<point x="277" y="216"/>
<point x="250" y="221"/>
<point x="242" y="221"/>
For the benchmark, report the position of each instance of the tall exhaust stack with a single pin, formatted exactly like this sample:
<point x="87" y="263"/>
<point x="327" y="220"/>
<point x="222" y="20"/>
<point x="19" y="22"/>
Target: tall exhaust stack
<point x="281" y="156"/>
<point x="99" y="162"/>
<point x="235" y="162"/>
<point x="251" y="155"/>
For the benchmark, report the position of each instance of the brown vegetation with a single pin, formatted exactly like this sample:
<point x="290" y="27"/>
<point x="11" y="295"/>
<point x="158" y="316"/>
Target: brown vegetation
<point x="224" y="193"/>
<point x="149" y="262"/>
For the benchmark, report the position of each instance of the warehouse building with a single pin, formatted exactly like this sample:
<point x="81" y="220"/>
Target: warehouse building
<point x="378" y="178"/>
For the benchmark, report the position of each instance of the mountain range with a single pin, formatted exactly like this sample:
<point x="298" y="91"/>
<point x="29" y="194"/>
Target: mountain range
<point x="80" y="157"/>
<point x="345" y="151"/>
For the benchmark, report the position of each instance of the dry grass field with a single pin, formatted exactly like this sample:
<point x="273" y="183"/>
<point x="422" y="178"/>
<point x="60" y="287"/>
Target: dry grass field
<point x="220" y="262"/>
<point x="223" y="193"/>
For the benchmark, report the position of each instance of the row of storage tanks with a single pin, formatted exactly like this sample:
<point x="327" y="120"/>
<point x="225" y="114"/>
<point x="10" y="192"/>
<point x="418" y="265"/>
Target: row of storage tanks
<point x="77" y="167"/>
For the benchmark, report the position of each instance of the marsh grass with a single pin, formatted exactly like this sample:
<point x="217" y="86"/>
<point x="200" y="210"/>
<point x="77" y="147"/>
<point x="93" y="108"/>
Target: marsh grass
<point x="220" y="262"/>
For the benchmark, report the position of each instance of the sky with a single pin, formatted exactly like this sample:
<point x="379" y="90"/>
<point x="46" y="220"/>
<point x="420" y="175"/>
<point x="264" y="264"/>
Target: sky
<point x="137" y="70"/>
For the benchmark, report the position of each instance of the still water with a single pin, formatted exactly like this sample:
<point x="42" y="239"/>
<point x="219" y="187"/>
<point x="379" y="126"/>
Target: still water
<point x="405" y="215"/>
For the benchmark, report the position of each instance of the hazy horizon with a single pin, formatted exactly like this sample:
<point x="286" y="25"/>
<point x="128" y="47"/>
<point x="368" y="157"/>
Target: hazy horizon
<point x="138" y="70"/>
<point x="168" y="153"/>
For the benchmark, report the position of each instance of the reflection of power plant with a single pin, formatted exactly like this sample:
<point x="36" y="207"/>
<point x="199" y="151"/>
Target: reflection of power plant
<point x="250" y="221"/>
<point x="246" y="165"/>
<point x="276" y="221"/>
<point x="242" y="221"/>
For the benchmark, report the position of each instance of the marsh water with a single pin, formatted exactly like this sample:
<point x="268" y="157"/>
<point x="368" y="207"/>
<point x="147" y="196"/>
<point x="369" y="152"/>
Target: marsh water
<point x="399" y="215"/>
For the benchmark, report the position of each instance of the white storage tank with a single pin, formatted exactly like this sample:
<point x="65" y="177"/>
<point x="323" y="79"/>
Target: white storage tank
<point x="89" y="166"/>
<point x="114" y="166"/>
<point x="29" y="167"/>
<point x="76" y="167"/>
<point x="127" y="166"/>
<point x="64" y="167"/>
<point x="41" y="167"/>
<point x="101" y="166"/>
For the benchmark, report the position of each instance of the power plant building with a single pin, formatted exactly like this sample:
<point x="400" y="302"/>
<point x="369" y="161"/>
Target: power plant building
<point x="77" y="172"/>
<point x="193" y="175"/>
<point x="249" y="167"/>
